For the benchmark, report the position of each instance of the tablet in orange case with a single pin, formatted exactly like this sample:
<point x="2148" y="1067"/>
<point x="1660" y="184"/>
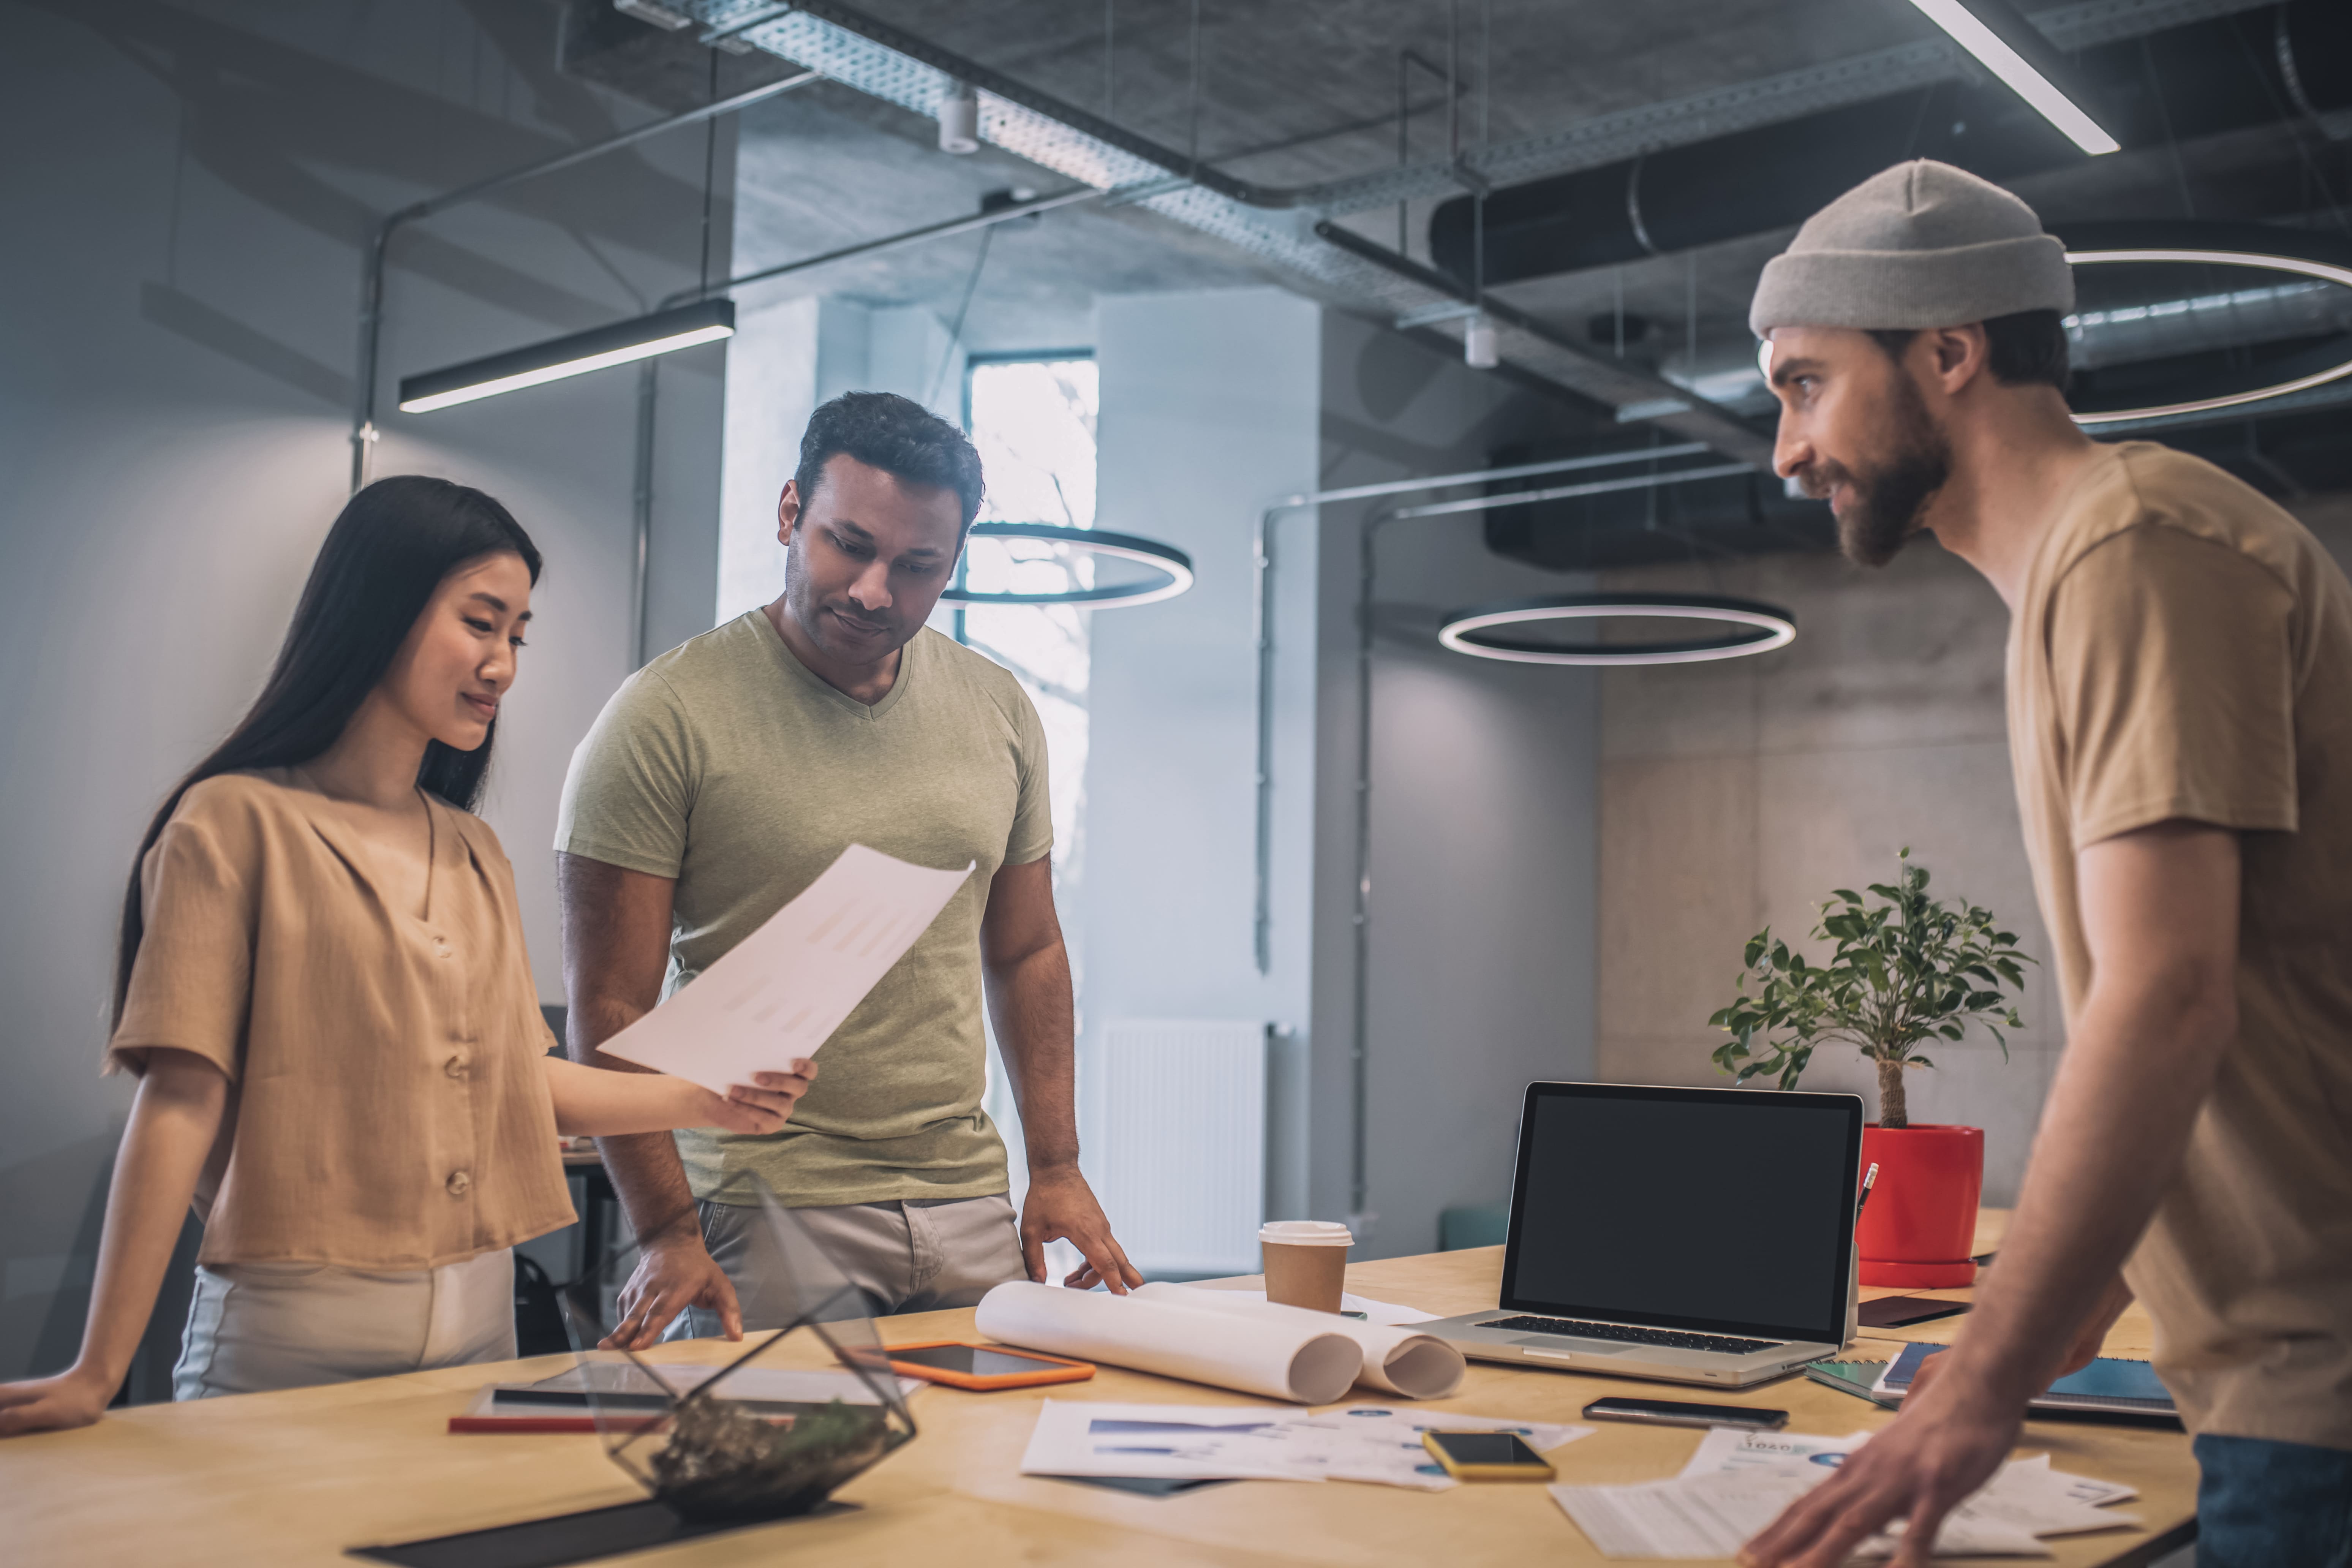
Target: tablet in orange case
<point x="962" y="1364"/>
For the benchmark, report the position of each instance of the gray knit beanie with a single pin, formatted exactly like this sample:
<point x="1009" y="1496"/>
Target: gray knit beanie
<point x="1919" y="244"/>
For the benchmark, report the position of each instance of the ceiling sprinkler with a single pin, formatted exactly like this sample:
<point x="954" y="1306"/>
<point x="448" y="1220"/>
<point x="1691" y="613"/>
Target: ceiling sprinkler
<point x="1480" y="351"/>
<point x="959" y="119"/>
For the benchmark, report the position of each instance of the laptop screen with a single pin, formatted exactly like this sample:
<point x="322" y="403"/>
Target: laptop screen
<point x="1725" y="1211"/>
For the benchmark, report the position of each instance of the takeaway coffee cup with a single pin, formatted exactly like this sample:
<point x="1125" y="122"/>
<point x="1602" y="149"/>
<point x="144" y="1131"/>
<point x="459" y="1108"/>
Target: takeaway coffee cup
<point x="1306" y="1260"/>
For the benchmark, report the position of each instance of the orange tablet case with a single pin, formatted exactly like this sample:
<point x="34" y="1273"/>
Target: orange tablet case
<point x="1059" y="1370"/>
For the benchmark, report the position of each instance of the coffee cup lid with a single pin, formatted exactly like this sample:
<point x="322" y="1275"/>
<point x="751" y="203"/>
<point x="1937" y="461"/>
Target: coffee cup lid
<point x="1307" y="1233"/>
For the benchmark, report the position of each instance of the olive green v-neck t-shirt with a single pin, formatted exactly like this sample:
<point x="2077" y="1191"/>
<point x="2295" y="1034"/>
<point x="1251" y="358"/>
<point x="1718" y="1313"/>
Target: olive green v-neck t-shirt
<point x="728" y="765"/>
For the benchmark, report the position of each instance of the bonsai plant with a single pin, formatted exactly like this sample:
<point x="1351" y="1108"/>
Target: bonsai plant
<point x="1901" y="972"/>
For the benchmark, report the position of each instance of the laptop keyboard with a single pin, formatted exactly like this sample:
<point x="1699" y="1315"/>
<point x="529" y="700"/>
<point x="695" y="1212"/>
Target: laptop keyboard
<point x="1623" y="1333"/>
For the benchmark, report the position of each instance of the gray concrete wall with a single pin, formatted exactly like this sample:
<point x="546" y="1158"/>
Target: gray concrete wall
<point x="186" y="199"/>
<point x="1737" y="794"/>
<point x="1482" y="801"/>
<point x="1209" y="408"/>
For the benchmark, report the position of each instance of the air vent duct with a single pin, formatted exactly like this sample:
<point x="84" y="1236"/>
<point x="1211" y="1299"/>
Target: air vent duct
<point x="2220" y="75"/>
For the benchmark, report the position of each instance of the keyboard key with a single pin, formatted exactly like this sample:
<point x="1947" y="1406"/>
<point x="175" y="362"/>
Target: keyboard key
<point x="1625" y="1334"/>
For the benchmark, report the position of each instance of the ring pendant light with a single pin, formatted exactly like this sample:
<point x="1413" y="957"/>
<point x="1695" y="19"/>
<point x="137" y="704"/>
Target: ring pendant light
<point x="1485" y="631"/>
<point x="1173" y="567"/>
<point x="2258" y="247"/>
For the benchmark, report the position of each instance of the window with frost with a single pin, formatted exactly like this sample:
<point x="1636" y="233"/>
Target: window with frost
<point x="1034" y="422"/>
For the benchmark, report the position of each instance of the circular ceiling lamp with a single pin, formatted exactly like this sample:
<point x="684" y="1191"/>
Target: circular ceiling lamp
<point x="2286" y="256"/>
<point x="1504" y="631"/>
<point x="1166" y="571"/>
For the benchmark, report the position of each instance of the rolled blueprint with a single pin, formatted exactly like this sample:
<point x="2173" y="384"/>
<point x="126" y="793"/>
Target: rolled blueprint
<point x="1303" y="1359"/>
<point x="1396" y="1360"/>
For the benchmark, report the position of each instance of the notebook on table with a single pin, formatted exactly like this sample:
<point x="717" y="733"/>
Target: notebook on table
<point x="2111" y="1385"/>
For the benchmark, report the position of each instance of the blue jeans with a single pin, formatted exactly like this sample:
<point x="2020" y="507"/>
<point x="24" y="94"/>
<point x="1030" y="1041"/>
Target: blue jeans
<point x="2261" y="1504"/>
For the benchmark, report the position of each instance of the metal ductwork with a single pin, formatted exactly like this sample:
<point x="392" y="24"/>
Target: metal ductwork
<point x="1278" y="225"/>
<point x="2217" y="75"/>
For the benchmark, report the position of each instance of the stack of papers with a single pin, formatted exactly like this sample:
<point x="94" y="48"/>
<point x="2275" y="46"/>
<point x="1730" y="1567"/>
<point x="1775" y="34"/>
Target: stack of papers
<point x="1738" y="1481"/>
<point x="1371" y="1442"/>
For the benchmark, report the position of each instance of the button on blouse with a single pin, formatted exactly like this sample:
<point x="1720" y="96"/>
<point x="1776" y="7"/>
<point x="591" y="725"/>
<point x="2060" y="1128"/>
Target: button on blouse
<point x="356" y="1135"/>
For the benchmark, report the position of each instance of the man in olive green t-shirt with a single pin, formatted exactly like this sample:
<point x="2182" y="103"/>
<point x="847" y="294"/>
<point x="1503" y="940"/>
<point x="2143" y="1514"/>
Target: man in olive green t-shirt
<point x="2180" y="726"/>
<point x="719" y="782"/>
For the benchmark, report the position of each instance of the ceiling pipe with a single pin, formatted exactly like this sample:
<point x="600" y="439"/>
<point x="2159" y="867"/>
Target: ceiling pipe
<point x="2218" y="74"/>
<point x="850" y="46"/>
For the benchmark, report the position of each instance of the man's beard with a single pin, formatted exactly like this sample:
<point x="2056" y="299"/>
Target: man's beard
<point x="1889" y="500"/>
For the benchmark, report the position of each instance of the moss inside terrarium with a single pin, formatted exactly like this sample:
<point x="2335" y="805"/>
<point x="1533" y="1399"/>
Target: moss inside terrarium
<point x="722" y="1462"/>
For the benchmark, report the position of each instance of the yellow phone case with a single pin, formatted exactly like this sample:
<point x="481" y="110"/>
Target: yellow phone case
<point x="1540" y="1470"/>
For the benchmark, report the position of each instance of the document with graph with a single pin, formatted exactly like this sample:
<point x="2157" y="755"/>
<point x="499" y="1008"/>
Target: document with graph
<point x="781" y="992"/>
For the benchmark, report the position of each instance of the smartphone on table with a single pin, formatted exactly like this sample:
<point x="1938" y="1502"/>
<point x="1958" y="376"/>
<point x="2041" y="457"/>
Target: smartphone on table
<point x="1683" y="1412"/>
<point x="1486" y="1456"/>
<point x="981" y="1368"/>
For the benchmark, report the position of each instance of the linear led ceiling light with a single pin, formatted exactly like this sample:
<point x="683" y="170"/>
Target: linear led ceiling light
<point x="2300" y="374"/>
<point x="1487" y="631"/>
<point x="2013" y="50"/>
<point x="1171" y="569"/>
<point x="659" y="333"/>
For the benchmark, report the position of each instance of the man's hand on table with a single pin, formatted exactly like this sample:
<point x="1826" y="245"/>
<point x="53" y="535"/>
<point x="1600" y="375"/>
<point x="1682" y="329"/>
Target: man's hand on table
<point x="1952" y="1433"/>
<point x="674" y="1271"/>
<point x="1061" y="1206"/>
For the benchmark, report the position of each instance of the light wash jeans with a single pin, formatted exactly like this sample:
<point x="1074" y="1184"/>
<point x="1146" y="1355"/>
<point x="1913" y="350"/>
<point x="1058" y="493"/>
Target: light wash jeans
<point x="253" y="1327"/>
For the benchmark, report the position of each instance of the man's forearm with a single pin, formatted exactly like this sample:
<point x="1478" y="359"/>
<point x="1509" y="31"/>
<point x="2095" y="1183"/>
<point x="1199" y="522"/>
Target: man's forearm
<point x="646" y="1173"/>
<point x="2129" y="1089"/>
<point x="1030" y="1002"/>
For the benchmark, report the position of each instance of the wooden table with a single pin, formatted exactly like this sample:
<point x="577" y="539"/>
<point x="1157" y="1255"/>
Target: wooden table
<point x="294" y="1477"/>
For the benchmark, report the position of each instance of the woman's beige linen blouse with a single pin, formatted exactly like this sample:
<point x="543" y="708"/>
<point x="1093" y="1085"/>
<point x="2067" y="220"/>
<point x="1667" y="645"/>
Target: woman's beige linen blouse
<point x="387" y="1108"/>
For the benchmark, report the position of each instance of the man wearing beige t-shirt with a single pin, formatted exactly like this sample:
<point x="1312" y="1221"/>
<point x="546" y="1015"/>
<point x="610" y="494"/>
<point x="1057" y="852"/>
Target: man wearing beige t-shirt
<point x="2180" y="723"/>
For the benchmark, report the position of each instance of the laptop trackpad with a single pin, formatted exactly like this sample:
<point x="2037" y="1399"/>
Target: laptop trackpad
<point x="1585" y="1349"/>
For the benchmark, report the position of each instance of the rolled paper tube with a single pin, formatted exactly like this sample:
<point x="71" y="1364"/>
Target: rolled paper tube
<point x="1305" y="1360"/>
<point x="1396" y="1359"/>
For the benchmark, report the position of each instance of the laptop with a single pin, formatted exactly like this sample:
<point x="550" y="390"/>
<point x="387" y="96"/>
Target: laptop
<point x="1689" y="1235"/>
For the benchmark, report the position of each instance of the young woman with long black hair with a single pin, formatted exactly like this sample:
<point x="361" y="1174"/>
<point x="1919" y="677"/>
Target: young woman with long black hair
<point x="323" y="987"/>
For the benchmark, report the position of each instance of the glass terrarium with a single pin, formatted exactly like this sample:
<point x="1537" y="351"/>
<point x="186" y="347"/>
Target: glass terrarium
<point x="767" y="1428"/>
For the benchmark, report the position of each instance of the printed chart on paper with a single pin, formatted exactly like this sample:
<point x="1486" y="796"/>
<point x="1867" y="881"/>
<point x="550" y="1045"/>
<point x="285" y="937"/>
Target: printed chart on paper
<point x="781" y="992"/>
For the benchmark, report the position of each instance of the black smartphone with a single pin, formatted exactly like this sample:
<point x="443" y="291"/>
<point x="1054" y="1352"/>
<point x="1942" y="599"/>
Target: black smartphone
<point x="1486" y="1456"/>
<point x="1681" y="1412"/>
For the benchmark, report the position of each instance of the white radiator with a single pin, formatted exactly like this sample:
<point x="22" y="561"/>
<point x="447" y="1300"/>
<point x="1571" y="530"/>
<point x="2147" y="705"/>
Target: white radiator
<point x="1182" y="1145"/>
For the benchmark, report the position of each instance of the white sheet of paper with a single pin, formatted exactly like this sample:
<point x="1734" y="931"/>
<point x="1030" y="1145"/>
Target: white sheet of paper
<point x="1732" y="1449"/>
<point x="781" y="992"/>
<point x="1737" y="1481"/>
<point x="1381" y="1443"/>
<point x="1167" y="1442"/>
<point x="1372" y="1442"/>
<point x="1714" y="1515"/>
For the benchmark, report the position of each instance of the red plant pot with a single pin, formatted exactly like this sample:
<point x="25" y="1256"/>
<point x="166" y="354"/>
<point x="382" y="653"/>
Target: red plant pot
<point x="1920" y="1226"/>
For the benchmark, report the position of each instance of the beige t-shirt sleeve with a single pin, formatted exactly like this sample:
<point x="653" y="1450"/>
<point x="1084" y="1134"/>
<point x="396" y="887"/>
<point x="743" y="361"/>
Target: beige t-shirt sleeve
<point x="1033" y="812"/>
<point x="191" y="984"/>
<point x="631" y="785"/>
<point x="2172" y="671"/>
